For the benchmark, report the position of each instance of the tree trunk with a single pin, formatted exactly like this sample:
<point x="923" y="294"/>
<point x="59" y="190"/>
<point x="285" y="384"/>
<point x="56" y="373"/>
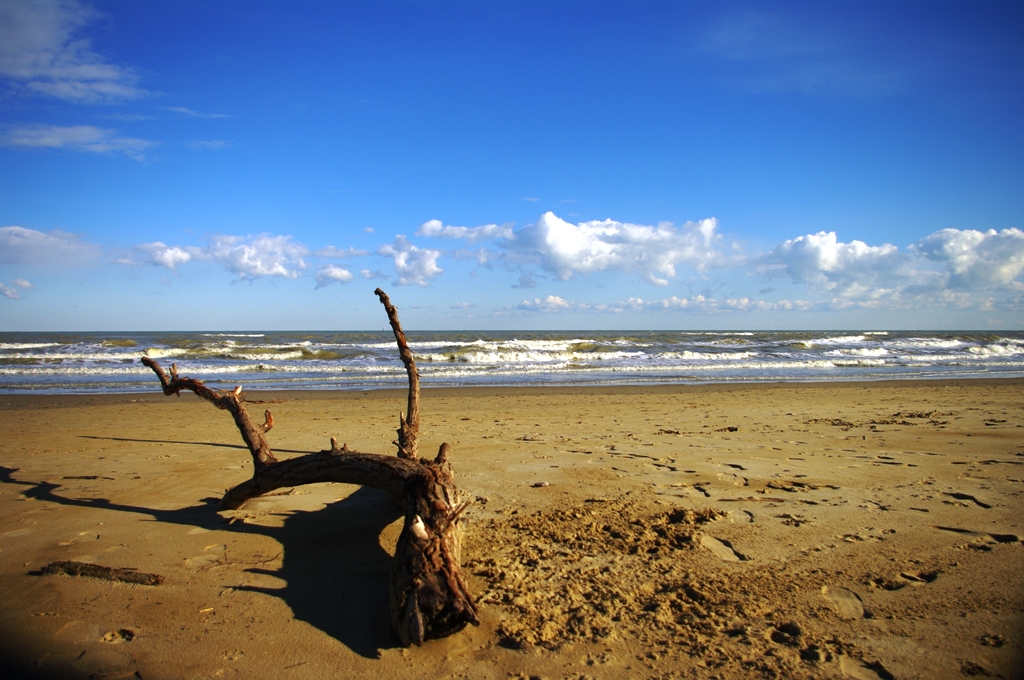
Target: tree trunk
<point x="429" y="599"/>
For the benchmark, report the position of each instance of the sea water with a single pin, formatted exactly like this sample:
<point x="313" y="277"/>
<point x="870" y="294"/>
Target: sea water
<point x="110" y="362"/>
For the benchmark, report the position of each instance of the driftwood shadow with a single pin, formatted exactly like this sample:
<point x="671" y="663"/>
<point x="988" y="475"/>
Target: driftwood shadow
<point x="335" y="570"/>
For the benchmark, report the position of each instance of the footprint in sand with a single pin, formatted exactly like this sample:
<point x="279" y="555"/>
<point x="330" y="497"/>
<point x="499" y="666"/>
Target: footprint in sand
<point x="212" y="554"/>
<point x="722" y="549"/>
<point x="847" y="603"/>
<point x="860" y="669"/>
<point x="81" y="537"/>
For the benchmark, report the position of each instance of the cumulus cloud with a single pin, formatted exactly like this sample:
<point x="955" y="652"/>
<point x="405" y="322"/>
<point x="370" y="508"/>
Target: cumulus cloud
<point x="955" y="267"/>
<point x="414" y="266"/>
<point x="566" y="249"/>
<point x="28" y="246"/>
<point x="551" y="303"/>
<point x="42" y="50"/>
<point x="367" y="274"/>
<point x="977" y="260"/>
<point x="332" y="274"/>
<point x="256" y="256"/>
<point x="249" y="257"/>
<point x="849" y="270"/>
<point x="9" y="292"/>
<point x="158" y="254"/>
<point x="437" y="229"/>
<point x="84" y="138"/>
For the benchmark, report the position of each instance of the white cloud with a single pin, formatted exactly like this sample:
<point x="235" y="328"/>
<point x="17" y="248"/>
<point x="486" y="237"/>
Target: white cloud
<point x="215" y="144"/>
<point x="194" y="114"/>
<point x="9" y="292"/>
<point x="436" y="229"/>
<point x="22" y="283"/>
<point x="158" y="254"/>
<point x="331" y="274"/>
<point x="339" y="253"/>
<point x="973" y="265"/>
<point x="87" y="138"/>
<point x="551" y="303"/>
<point x="567" y="249"/>
<point x="977" y="260"/>
<point x="463" y="305"/>
<point x="775" y="53"/>
<point x="249" y="257"/>
<point x="367" y="274"/>
<point x="852" y="270"/>
<point x="255" y="256"/>
<point x="414" y="266"/>
<point x="28" y="246"/>
<point x="41" y="49"/>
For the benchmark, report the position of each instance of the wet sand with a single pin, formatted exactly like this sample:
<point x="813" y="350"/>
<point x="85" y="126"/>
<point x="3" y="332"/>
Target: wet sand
<point x="864" y="530"/>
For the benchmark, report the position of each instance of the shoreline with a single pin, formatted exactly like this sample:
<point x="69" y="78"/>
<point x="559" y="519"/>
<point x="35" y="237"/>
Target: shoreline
<point x="16" y="399"/>
<point x="805" y="530"/>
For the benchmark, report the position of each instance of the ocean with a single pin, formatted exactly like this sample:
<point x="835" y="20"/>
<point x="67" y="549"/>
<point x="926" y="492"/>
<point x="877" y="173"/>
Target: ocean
<point x="69" y="363"/>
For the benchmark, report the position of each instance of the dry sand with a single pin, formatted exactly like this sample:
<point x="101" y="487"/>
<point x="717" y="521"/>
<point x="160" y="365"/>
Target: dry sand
<point x="864" y="530"/>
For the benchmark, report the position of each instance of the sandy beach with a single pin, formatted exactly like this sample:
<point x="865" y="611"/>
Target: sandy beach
<point x="863" y="530"/>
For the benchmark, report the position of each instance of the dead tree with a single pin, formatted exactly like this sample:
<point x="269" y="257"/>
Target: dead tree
<point x="429" y="598"/>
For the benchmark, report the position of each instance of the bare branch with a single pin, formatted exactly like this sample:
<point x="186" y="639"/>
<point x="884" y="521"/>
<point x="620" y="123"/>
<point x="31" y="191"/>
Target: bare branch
<point x="409" y="425"/>
<point x="229" y="401"/>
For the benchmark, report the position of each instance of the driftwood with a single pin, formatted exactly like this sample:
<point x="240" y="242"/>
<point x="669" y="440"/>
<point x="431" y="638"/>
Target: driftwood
<point x="126" y="575"/>
<point x="429" y="598"/>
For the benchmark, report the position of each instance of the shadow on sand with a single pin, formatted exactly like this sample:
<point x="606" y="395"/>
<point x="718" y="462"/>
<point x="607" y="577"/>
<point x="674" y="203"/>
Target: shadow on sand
<point x="335" y="570"/>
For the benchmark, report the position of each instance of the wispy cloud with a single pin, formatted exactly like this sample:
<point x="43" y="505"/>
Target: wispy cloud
<point x="30" y="247"/>
<point x="82" y="138"/>
<point x="334" y="252"/>
<point x="776" y="52"/>
<point x="42" y="51"/>
<point x="185" y="111"/>
<point x="215" y="144"/>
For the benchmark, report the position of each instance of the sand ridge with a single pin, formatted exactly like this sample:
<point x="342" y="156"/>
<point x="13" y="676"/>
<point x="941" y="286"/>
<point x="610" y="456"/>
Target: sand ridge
<point x="865" y="530"/>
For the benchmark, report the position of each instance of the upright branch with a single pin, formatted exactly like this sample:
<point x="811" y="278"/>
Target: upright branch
<point x="429" y="598"/>
<point x="409" y="425"/>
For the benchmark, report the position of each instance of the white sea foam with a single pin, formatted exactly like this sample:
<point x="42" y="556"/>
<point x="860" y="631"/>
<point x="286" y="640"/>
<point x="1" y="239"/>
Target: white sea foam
<point x="28" y="345"/>
<point x="860" y="351"/>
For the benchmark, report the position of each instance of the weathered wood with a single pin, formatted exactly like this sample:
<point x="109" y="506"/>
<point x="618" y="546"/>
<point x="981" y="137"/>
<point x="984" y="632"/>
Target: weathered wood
<point x="429" y="598"/>
<point x="408" y="425"/>
<point x="125" y="575"/>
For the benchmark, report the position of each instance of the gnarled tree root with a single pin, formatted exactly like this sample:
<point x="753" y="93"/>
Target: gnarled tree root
<point x="429" y="598"/>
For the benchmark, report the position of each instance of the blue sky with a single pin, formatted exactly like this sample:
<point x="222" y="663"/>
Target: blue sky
<point x="511" y="165"/>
